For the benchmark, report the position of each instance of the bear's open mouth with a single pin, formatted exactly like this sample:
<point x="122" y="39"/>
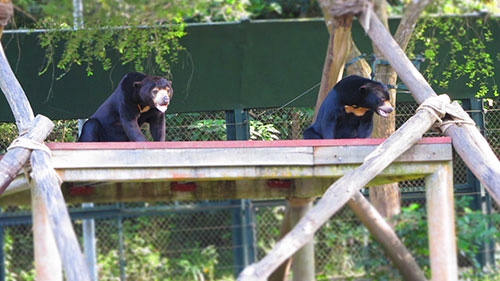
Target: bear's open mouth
<point x="385" y="109"/>
<point x="162" y="108"/>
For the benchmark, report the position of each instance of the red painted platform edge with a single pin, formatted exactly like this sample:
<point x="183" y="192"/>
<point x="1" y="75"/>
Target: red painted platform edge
<point x="228" y="144"/>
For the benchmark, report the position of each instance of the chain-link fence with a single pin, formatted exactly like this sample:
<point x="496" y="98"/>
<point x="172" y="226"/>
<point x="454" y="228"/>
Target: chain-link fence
<point x="211" y="241"/>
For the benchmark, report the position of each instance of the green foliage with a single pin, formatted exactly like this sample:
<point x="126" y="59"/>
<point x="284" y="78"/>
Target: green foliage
<point x="199" y="265"/>
<point x="268" y="219"/>
<point x="144" y="34"/>
<point x="455" y="49"/>
<point x="263" y="7"/>
<point x="352" y="254"/>
<point x="290" y="121"/>
<point x="210" y="129"/>
<point x="144" y="262"/>
<point x="9" y="133"/>
<point x="16" y="269"/>
<point x="474" y="229"/>
<point x="261" y="131"/>
<point x="342" y="239"/>
<point x="64" y="131"/>
<point x="459" y="7"/>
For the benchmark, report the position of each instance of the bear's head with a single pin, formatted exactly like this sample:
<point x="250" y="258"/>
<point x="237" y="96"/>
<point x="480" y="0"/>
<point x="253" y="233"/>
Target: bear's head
<point x="155" y="91"/>
<point x="375" y="96"/>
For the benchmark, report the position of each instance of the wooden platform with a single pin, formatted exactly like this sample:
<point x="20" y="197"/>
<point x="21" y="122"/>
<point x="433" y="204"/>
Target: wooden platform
<point x="153" y="171"/>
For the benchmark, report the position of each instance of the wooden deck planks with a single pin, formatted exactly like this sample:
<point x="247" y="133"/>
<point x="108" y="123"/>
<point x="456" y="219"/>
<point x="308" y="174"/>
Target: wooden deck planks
<point x="223" y="170"/>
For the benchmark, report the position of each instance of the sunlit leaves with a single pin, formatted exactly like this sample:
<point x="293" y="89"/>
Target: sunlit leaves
<point x="456" y="48"/>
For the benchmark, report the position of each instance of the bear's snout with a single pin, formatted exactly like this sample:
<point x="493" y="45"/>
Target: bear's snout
<point x="385" y="109"/>
<point x="166" y="100"/>
<point x="162" y="97"/>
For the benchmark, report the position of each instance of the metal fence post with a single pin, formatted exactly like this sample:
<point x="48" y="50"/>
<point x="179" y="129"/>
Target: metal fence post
<point x="237" y="124"/>
<point x="243" y="229"/>
<point x="243" y="220"/>
<point x="2" y="252"/>
<point x="89" y="243"/>
<point x="121" y="244"/>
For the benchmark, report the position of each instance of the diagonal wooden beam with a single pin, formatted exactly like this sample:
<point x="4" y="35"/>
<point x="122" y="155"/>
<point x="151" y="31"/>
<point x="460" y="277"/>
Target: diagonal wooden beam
<point x="49" y="206"/>
<point x="340" y="192"/>
<point x="467" y="140"/>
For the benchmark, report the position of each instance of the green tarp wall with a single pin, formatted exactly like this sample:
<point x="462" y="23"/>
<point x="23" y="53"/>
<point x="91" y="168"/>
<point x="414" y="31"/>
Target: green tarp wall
<point x="251" y="64"/>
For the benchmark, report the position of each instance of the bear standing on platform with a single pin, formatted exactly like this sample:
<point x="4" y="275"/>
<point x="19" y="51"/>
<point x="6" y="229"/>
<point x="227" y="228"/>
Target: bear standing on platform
<point x="347" y="111"/>
<point x="138" y="99"/>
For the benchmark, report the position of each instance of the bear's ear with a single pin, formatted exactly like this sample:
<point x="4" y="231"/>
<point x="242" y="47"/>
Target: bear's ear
<point x="363" y="89"/>
<point x="137" y="85"/>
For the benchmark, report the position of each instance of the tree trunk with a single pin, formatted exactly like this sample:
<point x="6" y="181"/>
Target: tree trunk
<point x="387" y="198"/>
<point x="6" y="13"/>
<point x="339" y="45"/>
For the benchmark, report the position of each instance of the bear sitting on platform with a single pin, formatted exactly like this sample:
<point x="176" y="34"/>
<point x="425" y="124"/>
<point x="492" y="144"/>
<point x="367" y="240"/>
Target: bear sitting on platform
<point x="138" y="99"/>
<point x="347" y="111"/>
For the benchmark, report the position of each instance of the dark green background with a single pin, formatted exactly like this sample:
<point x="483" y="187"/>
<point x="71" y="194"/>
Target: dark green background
<point x="252" y="64"/>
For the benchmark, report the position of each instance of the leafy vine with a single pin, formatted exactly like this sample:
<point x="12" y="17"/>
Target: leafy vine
<point x="136" y="33"/>
<point x="461" y="45"/>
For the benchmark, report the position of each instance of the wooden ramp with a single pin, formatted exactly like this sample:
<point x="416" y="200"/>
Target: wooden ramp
<point x="163" y="171"/>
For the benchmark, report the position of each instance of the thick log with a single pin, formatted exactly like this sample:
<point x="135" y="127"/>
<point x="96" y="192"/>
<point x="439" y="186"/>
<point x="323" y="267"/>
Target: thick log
<point x="281" y="273"/>
<point x="339" y="45"/>
<point x="48" y="265"/>
<point x="15" y="95"/>
<point x="47" y="183"/>
<point x="340" y="192"/>
<point x="47" y="187"/>
<point x="15" y="159"/>
<point x="303" y="266"/>
<point x="385" y="235"/>
<point x="6" y="13"/>
<point x="467" y="140"/>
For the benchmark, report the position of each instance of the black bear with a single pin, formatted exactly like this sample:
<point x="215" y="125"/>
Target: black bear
<point x="138" y="99"/>
<point x="347" y="111"/>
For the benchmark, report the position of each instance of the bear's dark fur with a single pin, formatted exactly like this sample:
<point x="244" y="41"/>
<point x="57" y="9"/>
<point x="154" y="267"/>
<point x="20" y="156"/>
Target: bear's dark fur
<point x="347" y="111"/>
<point x="138" y="99"/>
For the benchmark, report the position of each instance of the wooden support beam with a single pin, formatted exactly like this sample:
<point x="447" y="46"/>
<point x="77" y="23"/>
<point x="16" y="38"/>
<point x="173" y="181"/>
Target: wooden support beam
<point x="467" y="140"/>
<point x="47" y="260"/>
<point x="303" y="265"/>
<point x="47" y="185"/>
<point x="441" y="217"/>
<point x="15" y="159"/>
<point x="47" y="188"/>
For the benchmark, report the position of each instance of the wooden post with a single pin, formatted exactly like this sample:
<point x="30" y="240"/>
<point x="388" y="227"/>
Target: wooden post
<point x="281" y="272"/>
<point x="441" y="218"/>
<point x="6" y="13"/>
<point x="48" y="189"/>
<point x="340" y="192"/>
<point x="47" y="260"/>
<point x="467" y="140"/>
<point x="303" y="261"/>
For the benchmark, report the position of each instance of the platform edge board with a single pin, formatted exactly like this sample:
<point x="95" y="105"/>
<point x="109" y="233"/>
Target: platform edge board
<point x="163" y="158"/>
<point x="226" y="144"/>
<point x="237" y="156"/>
